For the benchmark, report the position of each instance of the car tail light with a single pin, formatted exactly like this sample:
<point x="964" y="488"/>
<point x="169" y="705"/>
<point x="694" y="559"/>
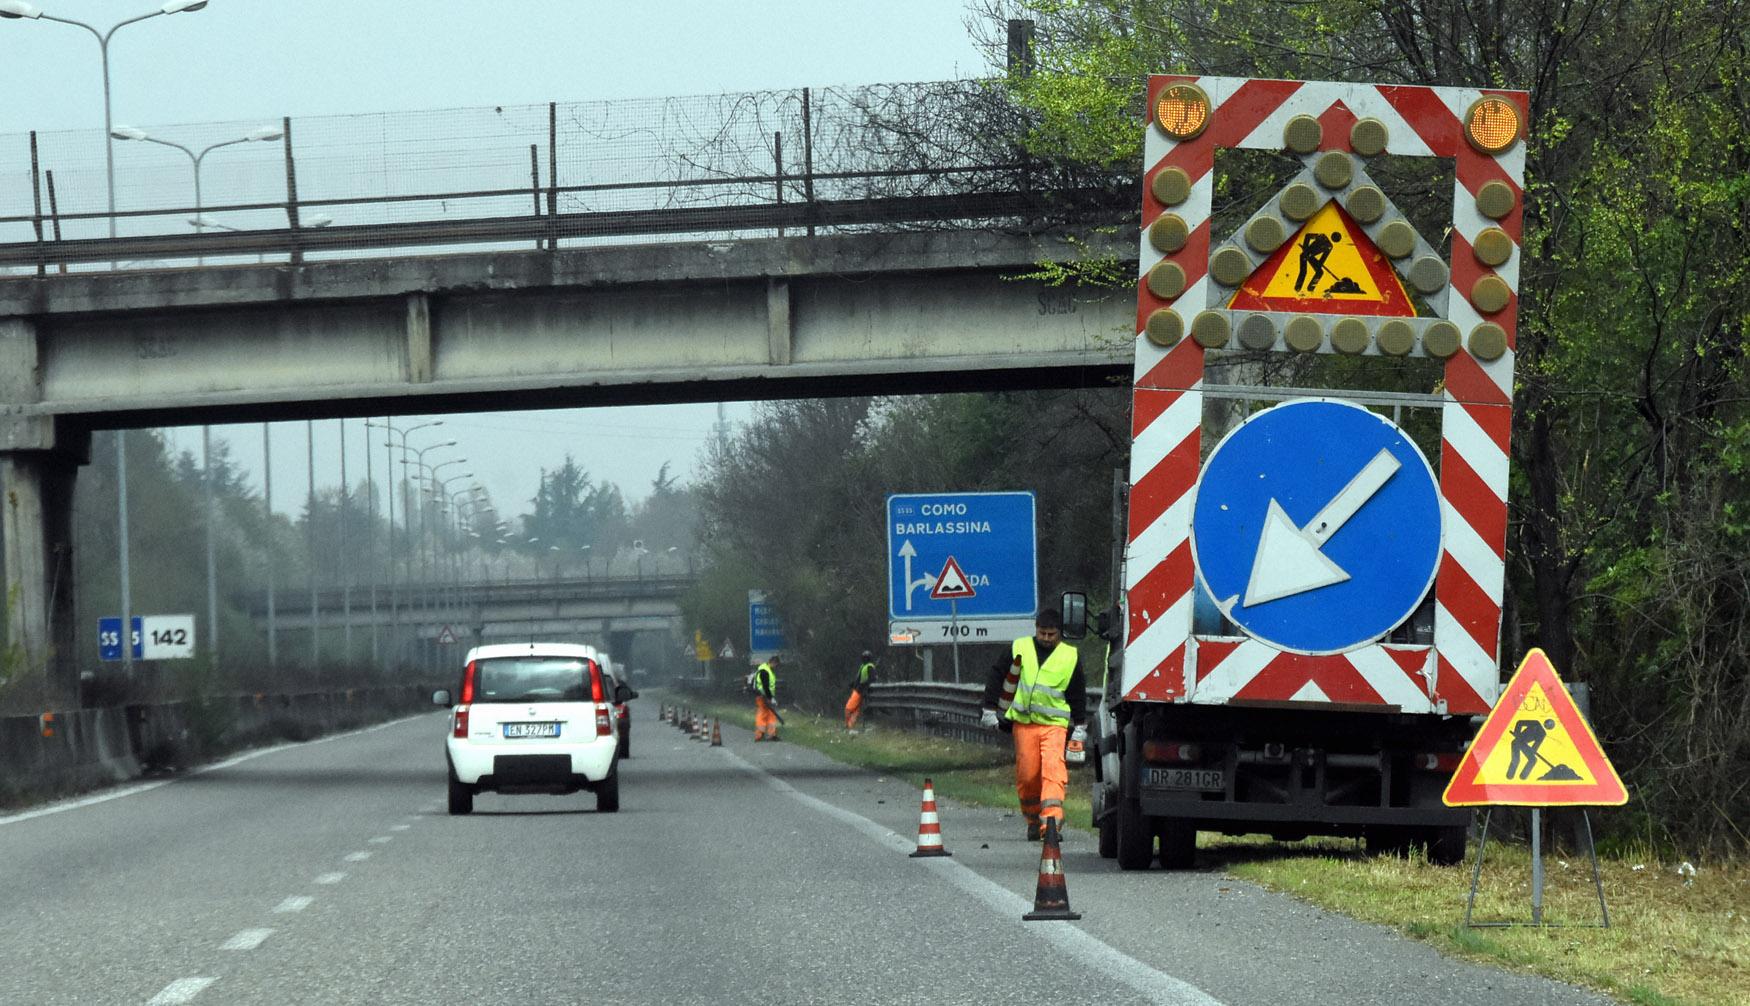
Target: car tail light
<point x="595" y="682"/>
<point x="1169" y="752"/>
<point x="468" y="684"/>
<point x="461" y="721"/>
<point x="603" y="724"/>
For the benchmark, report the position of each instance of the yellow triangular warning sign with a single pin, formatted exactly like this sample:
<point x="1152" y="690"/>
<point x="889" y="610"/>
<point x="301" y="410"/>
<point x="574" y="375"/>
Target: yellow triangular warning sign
<point x="1330" y="266"/>
<point x="1535" y="750"/>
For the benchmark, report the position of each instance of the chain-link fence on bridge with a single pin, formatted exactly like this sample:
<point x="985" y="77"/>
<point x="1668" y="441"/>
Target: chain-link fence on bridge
<point x="529" y="176"/>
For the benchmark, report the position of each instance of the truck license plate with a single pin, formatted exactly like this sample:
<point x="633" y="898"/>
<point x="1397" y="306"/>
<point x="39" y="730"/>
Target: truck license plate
<point x="1209" y="780"/>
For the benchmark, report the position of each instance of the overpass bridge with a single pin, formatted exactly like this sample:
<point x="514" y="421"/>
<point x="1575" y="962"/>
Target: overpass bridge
<point x="588" y="609"/>
<point x="891" y="272"/>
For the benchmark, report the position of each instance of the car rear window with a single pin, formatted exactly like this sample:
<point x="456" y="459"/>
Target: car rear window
<point x="532" y="679"/>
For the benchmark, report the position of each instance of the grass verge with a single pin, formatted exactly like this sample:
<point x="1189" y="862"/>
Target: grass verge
<point x="1676" y="938"/>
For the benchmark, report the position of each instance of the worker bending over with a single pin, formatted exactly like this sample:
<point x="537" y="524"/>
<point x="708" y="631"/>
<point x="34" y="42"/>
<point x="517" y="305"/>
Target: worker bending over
<point x="1040" y="692"/>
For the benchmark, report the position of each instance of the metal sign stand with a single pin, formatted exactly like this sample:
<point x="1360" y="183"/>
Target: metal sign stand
<point x="954" y="632"/>
<point x="1536" y="877"/>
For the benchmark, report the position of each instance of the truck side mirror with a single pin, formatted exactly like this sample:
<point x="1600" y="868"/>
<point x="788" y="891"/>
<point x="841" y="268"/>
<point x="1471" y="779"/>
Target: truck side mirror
<point x="1075" y="615"/>
<point x="441" y="697"/>
<point x="624" y="693"/>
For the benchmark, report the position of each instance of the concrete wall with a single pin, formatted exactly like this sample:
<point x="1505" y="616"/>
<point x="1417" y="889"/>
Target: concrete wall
<point x="88" y="748"/>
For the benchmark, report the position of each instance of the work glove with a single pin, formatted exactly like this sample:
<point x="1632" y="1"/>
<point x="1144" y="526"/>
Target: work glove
<point x="988" y="720"/>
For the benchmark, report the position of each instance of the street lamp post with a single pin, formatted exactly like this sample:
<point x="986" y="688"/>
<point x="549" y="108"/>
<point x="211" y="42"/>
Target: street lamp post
<point x="389" y="475"/>
<point x="261" y="135"/>
<point x="17" y="9"/>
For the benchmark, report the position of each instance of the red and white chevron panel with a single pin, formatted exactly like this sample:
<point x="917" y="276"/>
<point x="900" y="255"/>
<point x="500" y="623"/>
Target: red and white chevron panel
<point x="1164" y="661"/>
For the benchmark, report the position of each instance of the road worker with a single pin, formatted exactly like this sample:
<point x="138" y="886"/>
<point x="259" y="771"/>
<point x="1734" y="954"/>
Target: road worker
<point x="1040" y="691"/>
<point x="859" y="691"/>
<point x="765" y="700"/>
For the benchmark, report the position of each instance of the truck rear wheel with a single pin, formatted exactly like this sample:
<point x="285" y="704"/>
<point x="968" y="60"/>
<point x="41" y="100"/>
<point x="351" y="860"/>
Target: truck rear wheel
<point x="1178" y="843"/>
<point x="1446" y="846"/>
<point x="1134" y="840"/>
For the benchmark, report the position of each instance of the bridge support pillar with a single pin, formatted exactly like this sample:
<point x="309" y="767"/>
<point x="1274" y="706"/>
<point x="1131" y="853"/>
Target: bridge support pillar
<point x="38" y="463"/>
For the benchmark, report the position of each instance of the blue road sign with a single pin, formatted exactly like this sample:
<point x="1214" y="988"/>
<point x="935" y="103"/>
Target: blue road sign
<point x="973" y="551"/>
<point x="765" y="633"/>
<point x="1316" y="526"/>
<point x="109" y="638"/>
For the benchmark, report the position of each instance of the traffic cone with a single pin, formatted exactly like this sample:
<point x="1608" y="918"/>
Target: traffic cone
<point x="716" y="733"/>
<point x="1051" y="897"/>
<point x="929" y="826"/>
<point x="702" y="734"/>
<point x="662" y="717"/>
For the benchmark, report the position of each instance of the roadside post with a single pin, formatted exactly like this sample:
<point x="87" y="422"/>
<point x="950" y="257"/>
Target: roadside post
<point x="1535" y="750"/>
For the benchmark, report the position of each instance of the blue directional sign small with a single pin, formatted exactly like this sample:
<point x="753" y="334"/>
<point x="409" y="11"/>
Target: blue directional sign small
<point x="109" y="638"/>
<point x="1316" y="526"/>
<point x="961" y="557"/>
<point x="765" y="633"/>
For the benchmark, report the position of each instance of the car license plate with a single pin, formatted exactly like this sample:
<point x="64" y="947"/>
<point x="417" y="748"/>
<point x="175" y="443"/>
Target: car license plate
<point x="1209" y="780"/>
<point x="515" y="730"/>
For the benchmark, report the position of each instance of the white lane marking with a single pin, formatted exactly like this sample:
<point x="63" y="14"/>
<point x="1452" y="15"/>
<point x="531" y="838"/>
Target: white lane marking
<point x="86" y="801"/>
<point x="295" y="903"/>
<point x="1093" y="953"/>
<point x="399" y="827"/>
<point x="181" y="990"/>
<point x="357" y="857"/>
<point x="248" y="939"/>
<point x="331" y="878"/>
<point x="381" y="839"/>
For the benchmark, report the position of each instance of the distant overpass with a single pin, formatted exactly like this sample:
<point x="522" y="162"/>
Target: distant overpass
<point x="586" y="609"/>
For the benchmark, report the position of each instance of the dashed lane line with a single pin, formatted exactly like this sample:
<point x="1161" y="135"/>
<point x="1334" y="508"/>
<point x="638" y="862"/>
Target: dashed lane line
<point x="248" y="939"/>
<point x="331" y="878"/>
<point x="182" y="990"/>
<point x="1094" y="953"/>
<point x="356" y="857"/>
<point x="382" y="839"/>
<point x="295" y="903"/>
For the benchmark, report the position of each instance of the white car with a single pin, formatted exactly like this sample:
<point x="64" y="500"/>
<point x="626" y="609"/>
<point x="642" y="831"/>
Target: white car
<point x="533" y="718"/>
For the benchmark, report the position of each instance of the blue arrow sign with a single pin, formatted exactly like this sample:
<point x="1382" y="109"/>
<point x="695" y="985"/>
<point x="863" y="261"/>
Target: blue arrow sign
<point x="1316" y="526"/>
<point x="109" y="638"/>
<point x="988" y="536"/>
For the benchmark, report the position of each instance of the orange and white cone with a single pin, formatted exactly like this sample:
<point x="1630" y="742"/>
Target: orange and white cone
<point x="1051" y="897"/>
<point x="716" y="733"/>
<point x="929" y="826"/>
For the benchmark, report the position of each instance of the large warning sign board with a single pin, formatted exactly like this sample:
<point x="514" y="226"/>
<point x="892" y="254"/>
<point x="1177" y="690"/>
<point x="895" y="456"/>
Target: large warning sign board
<point x="1535" y="750"/>
<point x="1330" y="266"/>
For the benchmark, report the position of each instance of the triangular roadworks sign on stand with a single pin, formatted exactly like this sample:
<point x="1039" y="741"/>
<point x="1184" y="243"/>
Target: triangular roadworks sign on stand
<point x="1329" y="266"/>
<point x="1535" y="750"/>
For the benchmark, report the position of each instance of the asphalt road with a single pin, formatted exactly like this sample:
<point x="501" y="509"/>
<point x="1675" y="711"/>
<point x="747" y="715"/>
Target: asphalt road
<point x="329" y="872"/>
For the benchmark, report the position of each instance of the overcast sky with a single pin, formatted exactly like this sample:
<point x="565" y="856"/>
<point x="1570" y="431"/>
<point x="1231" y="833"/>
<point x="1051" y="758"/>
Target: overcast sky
<point x="257" y="60"/>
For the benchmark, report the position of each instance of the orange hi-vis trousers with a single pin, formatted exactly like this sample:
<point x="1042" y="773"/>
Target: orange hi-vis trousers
<point x="1040" y="773"/>
<point x="853" y="709"/>
<point x="765" y="722"/>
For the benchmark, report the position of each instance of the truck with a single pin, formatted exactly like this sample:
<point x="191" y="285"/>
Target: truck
<point x="1308" y="584"/>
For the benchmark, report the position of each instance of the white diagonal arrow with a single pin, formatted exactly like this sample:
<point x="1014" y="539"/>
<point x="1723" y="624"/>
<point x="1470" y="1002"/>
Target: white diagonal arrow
<point x="908" y="553"/>
<point x="1289" y="559"/>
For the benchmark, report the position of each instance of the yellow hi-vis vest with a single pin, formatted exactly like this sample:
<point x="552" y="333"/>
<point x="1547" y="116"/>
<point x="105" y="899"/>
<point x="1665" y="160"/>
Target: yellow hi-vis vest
<point x="1040" y="695"/>
<point x="863" y="673"/>
<point x="765" y="681"/>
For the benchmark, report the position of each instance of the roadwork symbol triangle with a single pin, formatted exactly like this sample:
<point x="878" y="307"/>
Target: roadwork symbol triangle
<point x="446" y="636"/>
<point x="1330" y="266"/>
<point x="952" y="585"/>
<point x="1535" y="750"/>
